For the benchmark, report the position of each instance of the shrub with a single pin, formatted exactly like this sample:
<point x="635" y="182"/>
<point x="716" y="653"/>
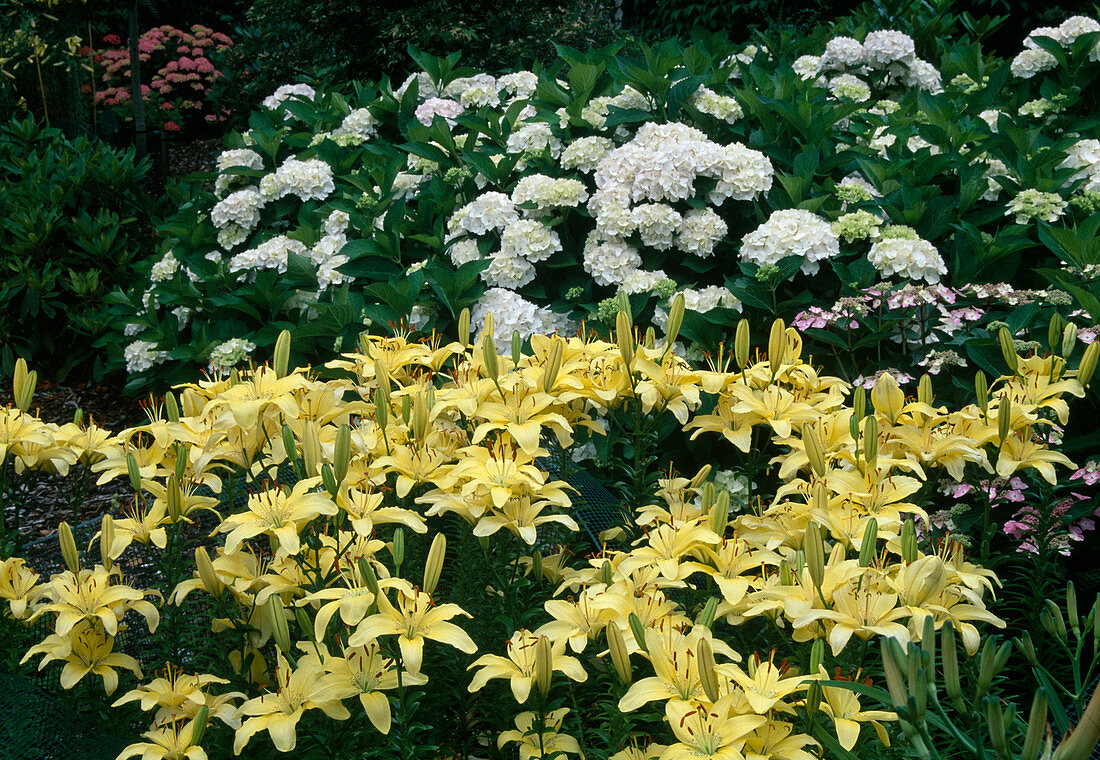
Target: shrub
<point x="73" y="220"/>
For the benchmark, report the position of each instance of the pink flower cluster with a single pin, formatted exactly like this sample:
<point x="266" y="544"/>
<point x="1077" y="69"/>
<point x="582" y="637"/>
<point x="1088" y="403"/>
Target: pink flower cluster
<point x="181" y="72"/>
<point x="1032" y="528"/>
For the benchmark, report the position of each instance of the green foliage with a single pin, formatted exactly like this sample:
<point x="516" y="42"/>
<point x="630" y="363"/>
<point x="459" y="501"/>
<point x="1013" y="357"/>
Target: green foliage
<point x="71" y="219"/>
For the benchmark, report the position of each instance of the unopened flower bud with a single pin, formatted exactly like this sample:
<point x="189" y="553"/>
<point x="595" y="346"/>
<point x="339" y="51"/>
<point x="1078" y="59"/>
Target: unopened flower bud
<point x="489" y="354"/>
<point x="381" y="408"/>
<point x="1054" y="331"/>
<point x="606" y="573"/>
<point x="708" y="670"/>
<point x="637" y="629"/>
<point x="487" y="326"/>
<point x="198" y="725"/>
<point x="870" y="438"/>
<point x="815" y="451"/>
<point x="433" y="565"/>
<point x="817" y="655"/>
<point x="777" y="346"/>
<point x="517" y="347"/>
<point x="368" y="576"/>
<point x="814" y="545"/>
<point x="908" y="541"/>
<point x="701" y="476"/>
<point x="616" y="645"/>
<point x="328" y="479"/>
<point x="207" y="575"/>
<point x="281" y="359"/>
<point x="280" y="630"/>
<point x="1088" y="364"/>
<point x="741" y="345"/>
<point x="1026" y="647"/>
<point x="69" y="554"/>
<point x="544" y="665"/>
<point x="720" y="514"/>
<point x="995" y="721"/>
<point x="553" y="364"/>
<point x="1008" y="349"/>
<point x="311" y="448"/>
<point x="859" y="403"/>
<point x="1004" y="418"/>
<point x="174" y="496"/>
<point x="1069" y="339"/>
<point x="868" y="548"/>
<point x="397" y="548"/>
<point x="106" y="539"/>
<point x="406" y="409"/>
<point x="981" y="391"/>
<point x="675" y="319"/>
<point x="924" y="389"/>
<point x="305" y="623"/>
<point x="133" y="471"/>
<point x="624" y="336"/>
<point x="786" y="577"/>
<point x="418" y="419"/>
<point x="649" y="340"/>
<point x="290" y="443"/>
<point x="1071" y="609"/>
<point x="536" y="566"/>
<point x="464" y="328"/>
<point x="23" y="386"/>
<point x="710" y="609"/>
<point x="950" y="656"/>
<point x="707" y="496"/>
<point x="892" y="662"/>
<point x="182" y="460"/>
<point x="341" y="453"/>
<point x="1036" y="725"/>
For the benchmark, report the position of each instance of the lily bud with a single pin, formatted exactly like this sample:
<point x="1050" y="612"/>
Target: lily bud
<point x="133" y="471"/>
<point x="1088" y="364"/>
<point x="1071" y="609"/>
<point x="69" y="554"/>
<point x="675" y="319"/>
<point x="1008" y="349"/>
<point x="536" y="566"/>
<point x="19" y="377"/>
<point x="182" y="459"/>
<point x="720" y="513"/>
<point x="328" y="479"/>
<point x="544" y="665"/>
<point x="517" y="347"/>
<point x="741" y="344"/>
<point x="553" y="364"/>
<point x="981" y="391"/>
<point x="419" y="417"/>
<point x="950" y="656"/>
<point x="859" y="403"/>
<point x="606" y="573"/>
<point x="311" y="448"/>
<point x="24" y="386"/>
<point x="174" y="496"/>
<point x="290" y="443"/>
<point x="281" y="360"/>
<point x="868" y="548"/>
<point x="433" y="565"/>
<point x="786" y="577"/>
<point x="616" y="645"/>
<point x="280" y="631"/>
<point x="625" y="338"/>
<point x="397" y="548"/>
<point x="464" y="327"/>
<point x="638" y="631"/>
<point x="815" y="451"/>
<point x="1054" y="623"/>
<point x="1054" y="331"/>
<point x="1004" y="417"/>
<point x="382" y="377"/>
<point x="706" y="616"/>
<point x="171" y="407"/>
<point x="650" y="339"/>
<point x="341" y="454"/>
<point x="1069" y="339"/>
<point x="853" y="430"/>
<point x="1036" y="724"/>
<point x="487" y="326"/>
<point x="198" y="725"/>
<point x="870" y="438"/>
<point x="924" y="389"/>
<point x="814" y="546"/>
<point x="908" y="541"/>
<point x="701" y="476"/>
<point x="1026" y="647"/>
<point x="708" y="673"/>
<point x="489" y="353"/>
<point x="819" y="500"/>
<point x="985" y="669"/>
<point x="305" y="623"/>
<point x="366" y="571"/>
<point x="817" y="655"/>
<point x="995" y="721"/>
<point x="106" y="538"/>
<point x="777" y="346"/>
<point x="406" y="409"/>
<point x="381" y="408"/>
<point x="207" y="575"/>
<point x="892" y="659"/>
<point x="707" y="496"/>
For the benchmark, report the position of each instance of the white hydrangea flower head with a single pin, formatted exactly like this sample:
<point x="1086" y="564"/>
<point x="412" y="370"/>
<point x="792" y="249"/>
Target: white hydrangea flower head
<point x="311" y="179"/>
<point x="849" y="87"/>
<point x="791" y="232"/>
<point x="241" y="209"/>
<point x="841" y="54"/>
<point x="519" y="84"/>
<point x="994" y="168"/>
<point x="657" y="224"/>
<point x="529" y="239"/>
<point x="360" y="123"/>
<point x="142" y="355"/>
<point x="507" y="270"/>
<point x="464" y="251"/>
<point x="164" y="269"/>
<point x="887" y="47"/>
<point x="426" y="87"/>
<point x="407" y="185"/>
<point x="586" y="153"/>
<point x="282" y="94"/>
<point x="641" y="281"/>
<point x="458" y="86"/>
<point x="722" y="107"/>
<point x="915" y="259"/>
<point x="1074" y="26"/>
<point x="807" y="67"/>
<point x="535" y="136"/>
<point x="1034" y="204"/>
<point x="925" y="76"/>
<point x="547" y="192"/>
<point x="990" y="116"/>
<point x="245" y="158"/>
<point x="229" y="238"/>
<point x="449" y="109"/>
<point x="701" y="301"/>
<point x="1084" y="157"/>
<point x="701" y="231"/>
<point x="610" y="261"/>
<point x="510" y="311"/>
<point x="1032" y="61"/>
<point x="271" y="254"/>
<point x="488" y="212"/>
<point x="225" y="356"/>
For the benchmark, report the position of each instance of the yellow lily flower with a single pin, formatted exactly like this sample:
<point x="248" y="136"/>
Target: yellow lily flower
<point x="365" y="671"/>
<point x="277" y="514"/>
<point x="178" y="695"/>
<point x="19" y="585"/>
<point x="85" y="649"/>
<point x="842" y="705"/>
<point x="519" y="666"/>
<point x="775" y="740"/>
<point x="89" y="596"/>
<point x="414" y="619"/>
<point x="766" y="688"/>
<point x="550" y="743"/>
<point x="171" y="742"/>
<point x="709" y="732"/>
<point x="1021" y="451"/>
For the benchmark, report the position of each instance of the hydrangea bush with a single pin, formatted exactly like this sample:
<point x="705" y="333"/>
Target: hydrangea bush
<point x="772" y="181"/>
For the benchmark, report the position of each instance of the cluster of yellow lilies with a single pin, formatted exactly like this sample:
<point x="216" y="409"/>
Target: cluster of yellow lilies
<point x="402" y="430"/>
